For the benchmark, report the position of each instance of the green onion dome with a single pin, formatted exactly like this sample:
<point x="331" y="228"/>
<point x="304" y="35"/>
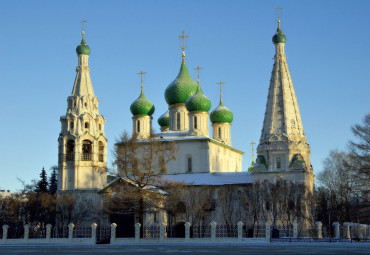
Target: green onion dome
<point x="221" y="114"/>
<point x="181" y="88"/>
<point x="164" y="120"/>
<point x="279" y="37"/>
<point x="142" y="106"/>
<point x="83" y="48"/>
<point x="198" y="102"/>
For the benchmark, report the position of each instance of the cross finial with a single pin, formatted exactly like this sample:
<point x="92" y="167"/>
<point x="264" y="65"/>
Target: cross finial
<point x="220" y="83"/>
<point x="83" y="26"/>
<point x="252" y="143"/>
<point x="198" y="68"/>
<point x="278" y="9"/>
<point x="141" y="74"/>
<point x="182" y="37"/>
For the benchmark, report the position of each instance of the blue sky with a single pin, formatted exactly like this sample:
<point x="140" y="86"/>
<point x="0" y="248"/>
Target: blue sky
<point x="327" y="49"/>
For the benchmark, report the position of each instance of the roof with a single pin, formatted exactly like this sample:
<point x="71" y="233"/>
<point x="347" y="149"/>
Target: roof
<point x="214" y="179"/>
<point x="148" y="187"/>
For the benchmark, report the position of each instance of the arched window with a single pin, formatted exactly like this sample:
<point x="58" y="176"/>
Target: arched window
<point x="178" y="121"/>
<point x="87" y="125"/>
<point x="195" y="122"/>
<point x="71" y="125"/>
<point x="86" y="150"/>
<point x="190" y="164"/>
<point x="70" y="150"/>
<point x="219" y="133"/>
<point x="99" y="126"/>
<point x="101" y="151"/>
<point x="138" y="126"/>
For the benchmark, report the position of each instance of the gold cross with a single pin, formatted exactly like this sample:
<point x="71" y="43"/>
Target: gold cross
<point x="220" y="83"/>
<point x="198" y="68"/>
<point x="278" y="9"/>
<point x="141" y="74"/>
<point x="252" y="143"/>
<point x="183" y="36"/>
<point x="83" y="24"/>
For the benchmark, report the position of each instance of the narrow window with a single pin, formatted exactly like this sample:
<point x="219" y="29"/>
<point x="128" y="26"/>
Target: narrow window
<point x="85" y="104"/>
<point x="87" y="125"/>
<point x="138" y="126"/>
<point x="278" y="163"/>
<point x="70" y="150"/>
<point x="101" y="151"/>
<point x="178" y="121"/>
<point x="190" y="164"/>
<point x="195" y="122"/>
<point x="71" y="125"/>
<point x="219" y="132"/>
<point x="99" y="126"/>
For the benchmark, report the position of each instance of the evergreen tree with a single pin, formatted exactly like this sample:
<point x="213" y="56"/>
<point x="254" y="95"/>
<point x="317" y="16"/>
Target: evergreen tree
<point x="53" y="182"/>
<point x="42" y="184"/>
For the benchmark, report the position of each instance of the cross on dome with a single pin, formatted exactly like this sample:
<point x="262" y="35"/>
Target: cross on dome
<point x="182" y="37"/>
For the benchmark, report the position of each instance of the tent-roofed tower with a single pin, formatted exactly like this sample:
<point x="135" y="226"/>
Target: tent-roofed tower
<point x="82" y="163"/>
<point x="282" y="150"/>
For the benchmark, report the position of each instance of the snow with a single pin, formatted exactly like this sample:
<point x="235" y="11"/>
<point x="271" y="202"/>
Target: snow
<point x="211" y="178"/>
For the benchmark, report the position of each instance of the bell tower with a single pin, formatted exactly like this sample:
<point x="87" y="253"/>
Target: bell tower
<point x="283" y="151"/>
<point x="82" y="151"/>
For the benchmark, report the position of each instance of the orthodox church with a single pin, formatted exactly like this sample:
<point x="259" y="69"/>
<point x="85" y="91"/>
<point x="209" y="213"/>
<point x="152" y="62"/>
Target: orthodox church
<point x="282" y="152"/>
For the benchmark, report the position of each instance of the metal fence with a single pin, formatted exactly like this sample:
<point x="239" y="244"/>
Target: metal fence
<point x="151" y="231"/>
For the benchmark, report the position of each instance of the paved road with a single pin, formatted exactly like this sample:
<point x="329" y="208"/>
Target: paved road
<point x="189" y="248"/>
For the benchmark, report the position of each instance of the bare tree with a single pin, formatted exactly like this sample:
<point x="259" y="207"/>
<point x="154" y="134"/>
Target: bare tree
<point x="142" y="164"/>
<point x="229" y="206"/>
<point x="338" y="186"/>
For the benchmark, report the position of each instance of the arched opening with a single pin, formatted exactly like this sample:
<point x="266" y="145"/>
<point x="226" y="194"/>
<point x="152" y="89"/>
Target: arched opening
<point x="195" y="122"/>
<point x="138" y="126"/>
<point x="219" y="133"/>
<point x="87" y="125"/>
<point x="70" y="149"/>
<point x="71" y="125"/>
<point x="99" y="126"/>
<point x="101" y="151"/>
<point x="86" y="150"/>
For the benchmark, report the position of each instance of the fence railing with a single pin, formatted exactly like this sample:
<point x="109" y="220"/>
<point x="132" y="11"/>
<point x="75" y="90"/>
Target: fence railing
<point x="95" y="233"/>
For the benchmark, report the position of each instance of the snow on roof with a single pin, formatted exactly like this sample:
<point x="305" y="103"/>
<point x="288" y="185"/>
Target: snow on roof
<point x="211" y="178"/>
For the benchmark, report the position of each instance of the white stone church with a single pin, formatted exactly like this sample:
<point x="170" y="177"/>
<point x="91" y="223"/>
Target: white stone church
<point x="282" y="152"/>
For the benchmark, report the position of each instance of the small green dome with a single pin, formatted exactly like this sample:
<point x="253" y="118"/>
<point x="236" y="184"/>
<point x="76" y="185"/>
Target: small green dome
<point x="279" y="37"/>
<point x="221" y="114"/>
<point x="181" y="88"/>
<point x="83" y="48"/>
<point x="142" y="106"/>
<point x="198" y="102"/>
<point x="164" y="120"/>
